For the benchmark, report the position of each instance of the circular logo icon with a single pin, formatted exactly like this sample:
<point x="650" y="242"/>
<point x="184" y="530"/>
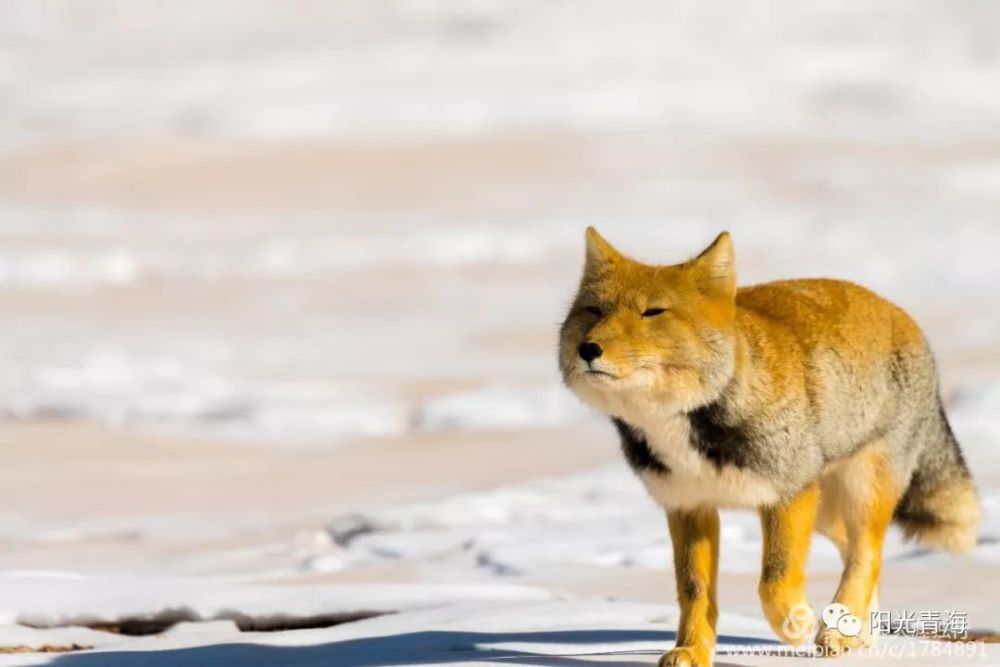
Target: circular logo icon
<point x="799" y="623"/>
<point x="849" y="625"/>
<point x="840" y="617"/>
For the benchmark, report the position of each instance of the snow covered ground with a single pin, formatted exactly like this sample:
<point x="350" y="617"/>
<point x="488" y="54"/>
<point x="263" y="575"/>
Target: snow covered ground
<point x="280" y="286"/>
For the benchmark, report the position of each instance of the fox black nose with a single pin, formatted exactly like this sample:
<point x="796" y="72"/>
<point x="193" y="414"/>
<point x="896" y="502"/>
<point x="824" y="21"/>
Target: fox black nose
<point x="589" y="351"/>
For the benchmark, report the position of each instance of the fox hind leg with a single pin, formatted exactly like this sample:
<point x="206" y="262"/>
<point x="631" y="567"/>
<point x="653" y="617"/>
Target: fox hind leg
<point x="832" y="524"/>
<point x="858" y="500"/>
<point x="787" y="529"/>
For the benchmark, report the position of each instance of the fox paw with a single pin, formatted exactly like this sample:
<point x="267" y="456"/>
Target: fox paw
<point x="687" y="656"/>
<point x="831" y="642"/>
<point x="794" y="624"/>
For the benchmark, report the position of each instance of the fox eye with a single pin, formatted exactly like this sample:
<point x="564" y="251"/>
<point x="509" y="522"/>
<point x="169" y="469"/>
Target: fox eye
<point x="652" y="312"/>
<point x="594" y="310"/>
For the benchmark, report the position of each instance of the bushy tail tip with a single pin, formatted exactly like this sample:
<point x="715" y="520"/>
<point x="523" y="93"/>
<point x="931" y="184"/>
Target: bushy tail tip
<point x="947" y="518"/>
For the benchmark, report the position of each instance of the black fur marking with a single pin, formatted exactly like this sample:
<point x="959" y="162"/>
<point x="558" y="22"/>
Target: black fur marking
<point x="718" y="441"/>
<point x="774" y="570"/>
<point x="691" y="589"/>
<point x="637" y="452"/>
<point x="776" y="564"/>
<point x="916" y="520"/>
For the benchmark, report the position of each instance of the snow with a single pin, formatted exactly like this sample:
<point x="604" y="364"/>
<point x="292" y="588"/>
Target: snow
<point x="47" y="599"/>
<point x="481" y="543"/>
<point x="494" y="408"/>
<point x="243" y="249"/>
<point x="552" y="632"/>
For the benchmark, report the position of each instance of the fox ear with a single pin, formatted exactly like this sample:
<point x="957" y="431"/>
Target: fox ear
<point x="599" y="252"/>
<point x="715" y="267"/>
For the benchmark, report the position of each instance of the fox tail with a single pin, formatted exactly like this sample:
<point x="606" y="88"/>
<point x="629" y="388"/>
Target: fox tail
<point x="940" y="508"/>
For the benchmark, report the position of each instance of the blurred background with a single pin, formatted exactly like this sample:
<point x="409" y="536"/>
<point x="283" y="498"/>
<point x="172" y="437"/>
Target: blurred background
<point x="267" y="269"/>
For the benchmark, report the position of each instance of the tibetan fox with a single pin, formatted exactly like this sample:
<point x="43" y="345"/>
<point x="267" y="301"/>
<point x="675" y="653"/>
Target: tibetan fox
<point x="814" y="402"/>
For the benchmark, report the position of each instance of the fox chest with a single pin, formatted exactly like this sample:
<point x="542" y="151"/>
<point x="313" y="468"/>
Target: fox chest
<point x="691" y="461"/>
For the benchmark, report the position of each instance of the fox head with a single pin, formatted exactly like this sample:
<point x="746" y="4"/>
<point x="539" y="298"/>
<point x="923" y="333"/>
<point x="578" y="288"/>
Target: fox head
<point x="657" y="336"/>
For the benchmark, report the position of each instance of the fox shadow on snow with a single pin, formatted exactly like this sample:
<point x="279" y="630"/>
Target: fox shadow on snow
<point x="410" y="648"/>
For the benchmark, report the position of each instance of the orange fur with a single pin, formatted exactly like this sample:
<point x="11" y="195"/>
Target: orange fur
<point x="787" y="528"/>
<point x="695" y="536"/>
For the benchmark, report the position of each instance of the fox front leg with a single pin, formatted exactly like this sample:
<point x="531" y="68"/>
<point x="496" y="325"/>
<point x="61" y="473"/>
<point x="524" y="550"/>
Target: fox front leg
<point x="695" y="536"/>
<point x="787" y="528"/>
